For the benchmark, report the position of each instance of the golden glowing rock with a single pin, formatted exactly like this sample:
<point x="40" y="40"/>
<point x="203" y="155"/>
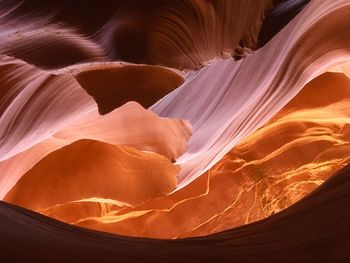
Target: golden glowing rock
<point x="91" y="169"/>
<point x="294" y="153"/>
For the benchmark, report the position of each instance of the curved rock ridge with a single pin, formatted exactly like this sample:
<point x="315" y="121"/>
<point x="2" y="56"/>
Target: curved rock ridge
<point x="287" y="236"/>
<point x="25" y="40"/>
<point x="113" y="84"/>
<point x="36" y="104"/>
<point x="43" y="43"/>
<point x="248" y="123"/>
<point x="270" y="170"/>
<point x="128" y="125"/>
<point x="89" y="169"/>
<point x="24" y="123"/>
<point x="182" y="34"/>
<point x="237" y="97"/>
<point x="289" y="157"/>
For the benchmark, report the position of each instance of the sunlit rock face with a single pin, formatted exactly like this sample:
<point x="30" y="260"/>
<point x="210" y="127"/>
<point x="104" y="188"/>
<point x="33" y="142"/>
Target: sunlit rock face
<point x="94" y="168"/>
<point x="273" y="168"/>
<point x="175" y="119"/>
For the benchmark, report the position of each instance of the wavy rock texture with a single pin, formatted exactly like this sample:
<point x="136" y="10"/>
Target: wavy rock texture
<point x="37" y="104"/>
<point x="250" y="183"/>
<point x="42" y="43"/>
<point x="248" y="123"/>
<point x="142" y="130"/>
<point x="181" y="34"/>
<point x="237" y="97"/>
<point x="313" y="230"/>
<point x="99" y="170"/>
